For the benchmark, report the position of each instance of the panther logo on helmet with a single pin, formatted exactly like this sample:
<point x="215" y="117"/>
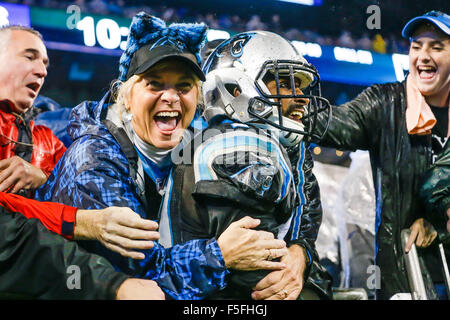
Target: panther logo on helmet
<point x="230" y="50"/>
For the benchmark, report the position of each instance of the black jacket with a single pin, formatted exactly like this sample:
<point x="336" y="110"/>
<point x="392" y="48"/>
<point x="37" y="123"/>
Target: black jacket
<point x="226" y="181"/>
<point x="435" y="193"/>
<point x="375" y="121"/>
<point x="34" y="264"/>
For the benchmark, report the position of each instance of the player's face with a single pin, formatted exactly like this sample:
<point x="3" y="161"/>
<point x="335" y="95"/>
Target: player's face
<point x="163" y="104"/>
<point x="293" y="108"/>
<point x="429" y="56"/>
<point x="23" y="68"/>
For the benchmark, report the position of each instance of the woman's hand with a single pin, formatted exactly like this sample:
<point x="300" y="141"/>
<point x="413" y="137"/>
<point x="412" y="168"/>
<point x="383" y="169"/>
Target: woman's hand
<point x="285" y="284"/>
<point x="244" y="249"/>
<point x="119" y="229"/>
<point x="422" y="232"/>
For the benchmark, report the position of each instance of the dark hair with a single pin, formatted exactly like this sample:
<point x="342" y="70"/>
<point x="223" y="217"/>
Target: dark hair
<point x="22" y="28"/>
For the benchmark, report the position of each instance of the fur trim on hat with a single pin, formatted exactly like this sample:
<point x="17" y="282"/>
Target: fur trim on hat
<point x="145" y="29"/>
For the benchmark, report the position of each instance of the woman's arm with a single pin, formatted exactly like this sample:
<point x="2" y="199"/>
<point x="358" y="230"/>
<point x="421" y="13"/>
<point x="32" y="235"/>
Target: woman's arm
<point x="80" y="181"/>
<point x="355" y="124"/>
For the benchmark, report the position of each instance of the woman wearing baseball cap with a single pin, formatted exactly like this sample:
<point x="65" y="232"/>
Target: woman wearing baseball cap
<point x="121" y="156"/>
<point x="404" y="126"/>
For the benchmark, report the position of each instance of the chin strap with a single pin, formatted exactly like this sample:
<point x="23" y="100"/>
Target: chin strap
<point x="288" y="138"/>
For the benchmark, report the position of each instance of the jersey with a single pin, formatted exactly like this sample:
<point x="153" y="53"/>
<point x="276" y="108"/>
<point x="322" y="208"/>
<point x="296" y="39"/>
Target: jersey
<point x="227" y="172"/>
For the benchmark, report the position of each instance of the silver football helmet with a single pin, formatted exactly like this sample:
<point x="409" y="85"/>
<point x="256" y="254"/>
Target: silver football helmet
<point x="246" y="63"/>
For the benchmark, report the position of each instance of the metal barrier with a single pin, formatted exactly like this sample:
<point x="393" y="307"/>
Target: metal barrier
<point x="445" y="269"/>
<point x="415" y="278"/>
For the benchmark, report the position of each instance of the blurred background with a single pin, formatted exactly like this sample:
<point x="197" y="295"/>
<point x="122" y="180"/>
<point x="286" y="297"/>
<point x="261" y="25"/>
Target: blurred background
<point x="332" y="34"/>
<point x="353" y="44"/>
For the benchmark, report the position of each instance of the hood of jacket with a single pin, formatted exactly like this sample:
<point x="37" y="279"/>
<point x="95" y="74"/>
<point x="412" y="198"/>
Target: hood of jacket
<point x="87" y="117"/>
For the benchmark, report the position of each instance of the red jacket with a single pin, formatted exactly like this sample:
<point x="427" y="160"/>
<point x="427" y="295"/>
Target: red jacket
<point x="47" y="148"/>
<point x="56" y="217"/>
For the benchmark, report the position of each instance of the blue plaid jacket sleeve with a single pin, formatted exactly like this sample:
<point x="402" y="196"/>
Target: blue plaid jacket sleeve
<point x="94" y="174"/>
<point x="190" y="271"/>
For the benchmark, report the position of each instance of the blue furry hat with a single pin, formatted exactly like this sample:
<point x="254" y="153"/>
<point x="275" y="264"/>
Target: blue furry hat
<point x="179" y="39"/>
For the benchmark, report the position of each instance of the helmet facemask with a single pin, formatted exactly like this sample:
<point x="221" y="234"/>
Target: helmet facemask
<point x="248" y="61"/>
<point x="300" y="117"/>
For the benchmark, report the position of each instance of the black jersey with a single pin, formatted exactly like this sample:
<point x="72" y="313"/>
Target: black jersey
<point x="232" y="170"/>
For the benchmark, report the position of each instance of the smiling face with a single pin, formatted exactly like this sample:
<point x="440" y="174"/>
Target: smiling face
<point x="293" y="108"/>
<point x="163" y="103"/>
<point x="429" y="56"/>
<point x="24" y="62"/>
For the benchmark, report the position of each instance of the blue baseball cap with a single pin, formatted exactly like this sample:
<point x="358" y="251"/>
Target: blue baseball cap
<point x="439" y="19"/>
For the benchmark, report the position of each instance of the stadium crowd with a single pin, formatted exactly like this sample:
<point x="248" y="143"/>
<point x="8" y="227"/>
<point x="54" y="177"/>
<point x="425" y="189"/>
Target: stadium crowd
<point x="378" y="42"/>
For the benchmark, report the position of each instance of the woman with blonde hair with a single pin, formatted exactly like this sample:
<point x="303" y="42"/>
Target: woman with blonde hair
<point x="121" y="156"/>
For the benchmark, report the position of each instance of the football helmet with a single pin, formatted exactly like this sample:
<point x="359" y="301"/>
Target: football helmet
<point x="237" y="72"/>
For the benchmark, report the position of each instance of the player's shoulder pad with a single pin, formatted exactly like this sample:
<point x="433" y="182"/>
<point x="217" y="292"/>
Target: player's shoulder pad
<point x="252" y="161"/>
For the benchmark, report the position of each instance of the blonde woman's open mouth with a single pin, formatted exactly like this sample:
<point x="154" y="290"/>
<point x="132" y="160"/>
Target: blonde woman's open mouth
<point x="167" y="121"/>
